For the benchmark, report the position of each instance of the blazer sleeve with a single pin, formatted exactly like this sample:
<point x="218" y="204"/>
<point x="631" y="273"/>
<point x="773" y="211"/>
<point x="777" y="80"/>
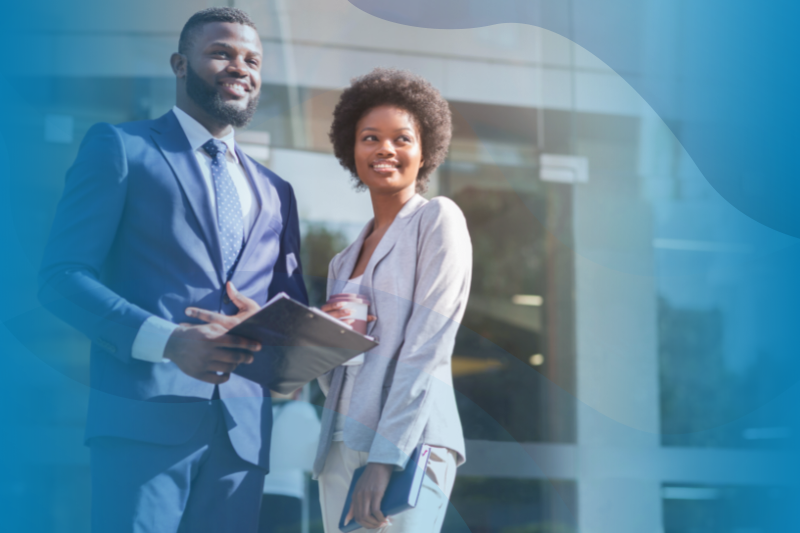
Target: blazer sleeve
<point x="443" y="276"/>
<point x="288" y="274"/>
<point x="82" y="234"/>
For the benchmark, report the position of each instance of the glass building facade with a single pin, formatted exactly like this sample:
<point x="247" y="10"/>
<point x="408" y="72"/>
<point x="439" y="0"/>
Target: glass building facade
<point x="609" y="365"/>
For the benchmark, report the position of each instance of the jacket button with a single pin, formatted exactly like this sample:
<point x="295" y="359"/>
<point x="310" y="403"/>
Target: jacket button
<point x="225" y="298"/>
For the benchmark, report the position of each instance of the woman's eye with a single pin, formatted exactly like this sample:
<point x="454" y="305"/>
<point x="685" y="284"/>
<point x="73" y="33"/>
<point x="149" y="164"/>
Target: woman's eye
<point x="370" y="138"/>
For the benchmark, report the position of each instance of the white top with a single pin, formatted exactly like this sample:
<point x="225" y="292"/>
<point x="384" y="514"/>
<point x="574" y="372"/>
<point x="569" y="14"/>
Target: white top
<point x="353" y="286"/>
<point x="152" y="337"/>
<point x="353" y="365"/>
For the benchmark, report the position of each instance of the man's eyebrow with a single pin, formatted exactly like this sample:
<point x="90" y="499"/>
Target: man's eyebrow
<point x="223" y="44"/>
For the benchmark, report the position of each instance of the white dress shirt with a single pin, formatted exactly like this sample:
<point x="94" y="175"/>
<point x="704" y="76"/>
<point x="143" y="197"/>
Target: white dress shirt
<point x="152" y="337"/>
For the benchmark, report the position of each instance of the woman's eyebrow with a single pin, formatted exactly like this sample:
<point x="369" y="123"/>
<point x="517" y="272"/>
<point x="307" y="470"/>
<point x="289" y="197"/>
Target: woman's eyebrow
<point x="369" y="128"/>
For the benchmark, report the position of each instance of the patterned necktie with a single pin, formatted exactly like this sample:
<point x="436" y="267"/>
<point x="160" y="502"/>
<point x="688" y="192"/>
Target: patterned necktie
<point x="229" y="209"/>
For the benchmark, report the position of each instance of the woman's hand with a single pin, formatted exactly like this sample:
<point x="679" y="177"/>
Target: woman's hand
<point x="367" y="496"/>
<point x="337" y="310"/>
<point x="247" y="308"/>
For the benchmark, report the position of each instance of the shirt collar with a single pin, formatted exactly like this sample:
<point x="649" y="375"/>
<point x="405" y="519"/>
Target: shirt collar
<point x="198" y="135"/>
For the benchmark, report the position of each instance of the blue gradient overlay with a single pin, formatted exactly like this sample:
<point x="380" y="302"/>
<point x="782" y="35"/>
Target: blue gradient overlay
<point x="720" y="254"/>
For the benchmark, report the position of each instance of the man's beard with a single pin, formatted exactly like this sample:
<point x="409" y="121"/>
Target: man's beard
<point x="207" y="97"/>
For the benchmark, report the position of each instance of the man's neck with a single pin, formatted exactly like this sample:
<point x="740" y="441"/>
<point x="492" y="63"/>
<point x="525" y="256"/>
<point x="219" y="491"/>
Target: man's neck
<point x="214" y="127"/>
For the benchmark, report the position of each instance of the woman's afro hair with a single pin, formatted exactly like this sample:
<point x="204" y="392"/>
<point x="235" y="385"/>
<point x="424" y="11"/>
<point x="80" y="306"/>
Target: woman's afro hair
<point x="401" y="89"/>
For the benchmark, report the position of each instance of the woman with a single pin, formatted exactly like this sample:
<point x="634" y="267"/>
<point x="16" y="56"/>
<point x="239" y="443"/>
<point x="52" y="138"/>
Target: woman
<point x="413" y="261"/>
<point x="391" y="129"/>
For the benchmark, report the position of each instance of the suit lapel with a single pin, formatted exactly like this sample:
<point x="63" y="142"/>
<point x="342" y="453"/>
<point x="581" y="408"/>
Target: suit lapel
<point x="171" y="140"/>
<point x="268" y="207"/>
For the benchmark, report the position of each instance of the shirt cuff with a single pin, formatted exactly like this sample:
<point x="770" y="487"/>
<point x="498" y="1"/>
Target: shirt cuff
<point x="151" y="340"/>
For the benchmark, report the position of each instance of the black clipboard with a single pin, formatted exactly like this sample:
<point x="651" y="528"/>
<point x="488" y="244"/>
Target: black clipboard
<point x="299" y="344"/>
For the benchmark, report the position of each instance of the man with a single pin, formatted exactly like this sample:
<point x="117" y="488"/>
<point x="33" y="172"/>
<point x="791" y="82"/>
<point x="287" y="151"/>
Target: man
<point x="156" y="216"/>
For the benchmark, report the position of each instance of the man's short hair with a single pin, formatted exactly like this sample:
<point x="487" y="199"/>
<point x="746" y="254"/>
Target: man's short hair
<point x="207" y="16"/>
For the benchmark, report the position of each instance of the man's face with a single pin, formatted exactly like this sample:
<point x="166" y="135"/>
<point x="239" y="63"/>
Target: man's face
<point x="223" y="72"/>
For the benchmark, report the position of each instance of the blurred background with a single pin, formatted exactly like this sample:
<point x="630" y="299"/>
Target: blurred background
<point x="625" y="364"/>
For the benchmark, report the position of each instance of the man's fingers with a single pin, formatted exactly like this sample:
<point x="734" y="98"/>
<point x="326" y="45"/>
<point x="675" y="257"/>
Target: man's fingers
<point x="331" y="307"/>
<point x="231" y="356"/>
<point x="371" y="318"/>
<point x="242" y="302"/>
<point x="206" y="316"/>
<point x="233" y="341"/>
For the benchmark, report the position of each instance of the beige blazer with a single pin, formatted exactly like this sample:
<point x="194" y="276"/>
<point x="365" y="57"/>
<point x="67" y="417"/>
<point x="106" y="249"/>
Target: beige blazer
<point x="418" y="282"/>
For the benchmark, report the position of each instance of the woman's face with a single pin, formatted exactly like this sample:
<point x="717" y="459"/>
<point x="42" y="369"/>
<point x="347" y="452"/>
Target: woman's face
<point x="388" y="150"/>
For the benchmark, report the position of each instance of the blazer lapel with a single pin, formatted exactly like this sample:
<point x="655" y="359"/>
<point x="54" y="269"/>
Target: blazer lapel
<point x="171" y="140"/>
<point x="393" y="234"/>
<point x="388" y="241"/>
<point x="268" y="207"/>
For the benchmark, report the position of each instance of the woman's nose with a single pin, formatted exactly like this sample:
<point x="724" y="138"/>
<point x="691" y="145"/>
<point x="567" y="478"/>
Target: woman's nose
<point x="386" y="147"/>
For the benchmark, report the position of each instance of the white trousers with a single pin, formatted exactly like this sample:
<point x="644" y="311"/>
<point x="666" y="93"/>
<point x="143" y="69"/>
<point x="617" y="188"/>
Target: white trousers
<point x="426" y="517"/>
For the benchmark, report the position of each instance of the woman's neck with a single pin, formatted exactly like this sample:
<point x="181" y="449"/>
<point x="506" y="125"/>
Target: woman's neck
<point x="386" y="206"/>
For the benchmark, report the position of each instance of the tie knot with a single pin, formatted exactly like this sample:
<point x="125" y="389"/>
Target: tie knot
<point x="214" y="147"/>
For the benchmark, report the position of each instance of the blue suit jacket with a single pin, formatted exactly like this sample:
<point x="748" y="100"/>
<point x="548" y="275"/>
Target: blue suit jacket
<point x="135" y="235"/>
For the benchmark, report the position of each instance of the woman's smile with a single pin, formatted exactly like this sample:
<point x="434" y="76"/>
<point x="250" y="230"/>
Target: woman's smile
<point x="385" y="167"/>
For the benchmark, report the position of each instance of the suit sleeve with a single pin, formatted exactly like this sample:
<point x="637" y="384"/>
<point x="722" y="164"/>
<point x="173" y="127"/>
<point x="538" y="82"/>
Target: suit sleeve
<point x="288" y="274"/>
<point x="83" y="232"/>
<point x="443" y="276"/>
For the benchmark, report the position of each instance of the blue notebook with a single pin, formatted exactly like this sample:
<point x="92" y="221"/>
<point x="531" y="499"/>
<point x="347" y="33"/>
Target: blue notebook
<point x="402" y="492"/>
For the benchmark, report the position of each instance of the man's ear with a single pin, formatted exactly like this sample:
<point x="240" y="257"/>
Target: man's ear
<point x="178" y="63"/>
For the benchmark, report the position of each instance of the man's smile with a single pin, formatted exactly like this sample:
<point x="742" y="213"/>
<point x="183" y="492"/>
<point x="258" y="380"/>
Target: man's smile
<point x="235" y="88"/>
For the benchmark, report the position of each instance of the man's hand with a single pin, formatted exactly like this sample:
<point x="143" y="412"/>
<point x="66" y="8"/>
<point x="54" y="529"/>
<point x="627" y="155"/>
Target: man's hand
<point x="247" y="308"/>
<point x="207" y="353"/>
<point x="367" y="496"/>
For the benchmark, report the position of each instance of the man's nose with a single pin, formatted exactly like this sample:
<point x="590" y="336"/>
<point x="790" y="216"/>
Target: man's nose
<point x="237" y="65"/>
